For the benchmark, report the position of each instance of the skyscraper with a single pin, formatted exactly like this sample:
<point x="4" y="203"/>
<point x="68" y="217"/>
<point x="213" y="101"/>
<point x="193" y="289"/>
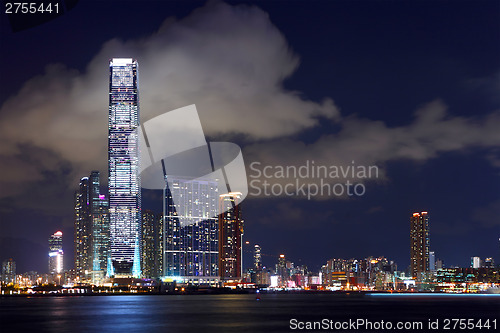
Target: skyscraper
<point x="191" y="230"/>
<point x="83" y="231"/>
<point x="9" y="271"/>
<point x="99" y="216"/>
<point x="151" y="249"/>
<point x="230" y="236"/>
<point x="475" y="262"/>
<point x="257" y="258"/>
<point x="419" y="239"/>
<point x="91" y="230"/>
<point x="432" y="261"/>
<point x="124" y="181"/>
<point x="56" y="253"/>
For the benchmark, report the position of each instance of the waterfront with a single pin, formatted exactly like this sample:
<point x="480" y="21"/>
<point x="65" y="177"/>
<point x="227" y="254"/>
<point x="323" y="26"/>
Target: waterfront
<point x="234" y="313"/>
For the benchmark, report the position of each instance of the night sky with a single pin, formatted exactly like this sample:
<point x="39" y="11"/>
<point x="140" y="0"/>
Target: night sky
<point x="411" y="87"/>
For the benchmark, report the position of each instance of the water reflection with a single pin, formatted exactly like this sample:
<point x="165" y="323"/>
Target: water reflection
<point x="220" y="313"/>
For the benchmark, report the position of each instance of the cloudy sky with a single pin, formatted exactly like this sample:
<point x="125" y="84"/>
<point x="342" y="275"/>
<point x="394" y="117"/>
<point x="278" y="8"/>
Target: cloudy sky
<point x="410" y="87"/>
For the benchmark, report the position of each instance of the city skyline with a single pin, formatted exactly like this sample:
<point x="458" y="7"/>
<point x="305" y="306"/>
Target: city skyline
<point x="376" y="84"/>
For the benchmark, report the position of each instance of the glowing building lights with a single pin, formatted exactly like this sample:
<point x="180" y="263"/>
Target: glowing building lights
<point x="419" y="250"/>
<point x="55" y="253"/>
<point x="230" y="236"/>
<point x="191" y="228"/>
<point x="124" y="181"/>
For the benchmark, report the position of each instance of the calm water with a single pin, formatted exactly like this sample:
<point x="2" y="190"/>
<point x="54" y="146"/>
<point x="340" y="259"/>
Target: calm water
<point x="230" y="313"/>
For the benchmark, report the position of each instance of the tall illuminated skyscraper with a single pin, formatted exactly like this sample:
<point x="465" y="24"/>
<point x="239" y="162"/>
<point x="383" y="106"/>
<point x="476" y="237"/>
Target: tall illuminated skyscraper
<point x="8" y="271"/>
<point x="419" y="250"/>
<point x="56" y="253"/>
<point x="152" y="245"/>
<point x="230" y="236"/>
<point x="82" y="230"/>
<point x="99" y="215"/>
<point x="191" y="250"/>
<point x="91" y="230"/>
<point x="124" y="180"/>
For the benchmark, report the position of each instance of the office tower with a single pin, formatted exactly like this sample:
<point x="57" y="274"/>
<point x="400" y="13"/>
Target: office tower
<point x="432" y="261"/>
<point x="99" y="215"/>
<point x="9" y="271"/>
<point x="282" y="271"/>
<point x="83" y="231"/>
<point x="124" y="181"/>
<point x="475" y="262"/>
<point x="230" y="236"/>
<point x="419" y="250"/>
<point x="151" y="249"/>
<point x="257" y="258"/>
<point x="56" y="253"/>
<point x="91" y="230"/>
<point x="191" y="230"/>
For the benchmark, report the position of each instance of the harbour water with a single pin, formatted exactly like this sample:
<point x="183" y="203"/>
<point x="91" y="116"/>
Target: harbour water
<point x="244" y="313"/>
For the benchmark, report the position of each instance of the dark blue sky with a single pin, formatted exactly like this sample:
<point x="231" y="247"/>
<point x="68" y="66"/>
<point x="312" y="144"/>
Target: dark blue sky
<point x="379" y="61"/>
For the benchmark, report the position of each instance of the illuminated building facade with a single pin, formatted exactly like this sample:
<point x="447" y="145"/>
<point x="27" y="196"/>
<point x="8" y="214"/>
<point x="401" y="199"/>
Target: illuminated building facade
<point x="99" y="216"/>
<point x="419" y="250"/>
<point x="91" y="236"/>
<point x="281" y="271"/>
<point x="82" y="230"/>
<point x="257" y="258"/>
<point x="124" y="180"/>
<point x="475" y="262"/>
<point x="191" y="230"/>
<point x="152" y="245"/>
<point x="9" y="271"/>
<point x="56" y="253"/>
<point x="230" y="236"/>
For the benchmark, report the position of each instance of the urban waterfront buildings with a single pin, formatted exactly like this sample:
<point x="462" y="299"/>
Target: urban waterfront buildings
<point x="8" y="271"/>
<point x="124" y="180"/>
<point x="82" y="230"/>
<point x="152" y="244"/>
<point x="257" y="258"/>
<point x="56" y="253"/>
<point x="432" y="261"/>
<point x="190" y="234"/>
<point x="419" y="248"/>
<point x="230" y="236"/>
<point x="91" y="230"/>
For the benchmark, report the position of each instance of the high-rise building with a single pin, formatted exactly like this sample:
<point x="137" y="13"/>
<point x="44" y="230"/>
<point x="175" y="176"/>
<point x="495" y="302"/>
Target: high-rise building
<point x="152" y="244"/>
<point x="432" y="261"/>
<point x="56" y="253"/>
<point x="191" y="230"/>
<point x="419" y="239"/>
<point x="230" y="236"/>
<point x="475" y="262"/>
<point x="9" y="271"/>
<point x="257" y="258"/>
<point x="99" y="215"/>
<point x="91" y="230"/>
<point x="281" y="270"/>
<point x="124" y="180"/>
<point x="83" y="231"/>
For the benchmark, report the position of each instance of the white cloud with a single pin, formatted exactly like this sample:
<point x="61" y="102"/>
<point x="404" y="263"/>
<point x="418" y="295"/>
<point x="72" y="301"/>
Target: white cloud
<point x="367" y="142"/>
<point x="229" y="61"/>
